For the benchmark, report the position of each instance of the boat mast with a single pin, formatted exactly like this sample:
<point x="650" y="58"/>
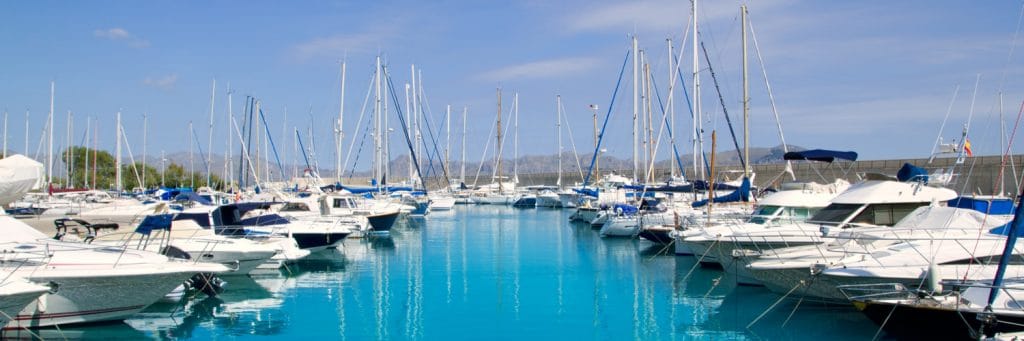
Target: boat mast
<point x="49" y="155"/>
<point x="698" y="138"/>
<point x="68" y="161"/>
<point x="671" y="104"/>
<point x="145" y="126"/>
<point x="412" y="125"/>
<point x="228" y="157"/>
<point x="5" y="133"/>
<point x="341" y="124"/>
<point x="209" y="141"/>
<point x="191" y="157"/>
<point x="497" y="146"/>
<point x="636" y="104"/>
<point x="462" y="177"/>
<point x="408" y="124"/>
<point x="448" y="138"/>
<point x="558" y="127"/>
<point x="746" y="96"/>
<point x="376" y="131"/>
<point x="26" y="131"/>
<point x="117" y="158"/>
<point x="85" y="170"/>
<point x="515" y="149"/>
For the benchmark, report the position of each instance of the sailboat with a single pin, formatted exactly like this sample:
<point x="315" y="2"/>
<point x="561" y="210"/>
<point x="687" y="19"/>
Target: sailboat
<point x="499" y="192"/>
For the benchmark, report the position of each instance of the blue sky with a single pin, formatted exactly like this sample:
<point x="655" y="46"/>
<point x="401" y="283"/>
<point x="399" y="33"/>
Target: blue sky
<point x="870" y="76"/>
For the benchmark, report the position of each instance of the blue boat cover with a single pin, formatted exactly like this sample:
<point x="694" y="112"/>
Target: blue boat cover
<point x="586" y="191"/>
<point x="910" y="172"/>
<point x="740" y="194"/>
<point x="822" y="155"/>
<point x="626" y="209"/>
<point x="192" y="196"/>
<point x="361" y="190"/>
<point x="994" y="206"/>
<point x="154" y="222"/>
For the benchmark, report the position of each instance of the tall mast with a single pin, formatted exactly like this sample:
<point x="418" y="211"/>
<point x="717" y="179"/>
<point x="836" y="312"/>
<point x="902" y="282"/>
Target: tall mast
<point x="229" y="161"/>
<point x="448" y="137"/>
<point x="649" y="159"/>
<point x="698" y="139"/>
<point x="408" y="124"/>
<point x="117" y="158"/>
<point x="85" y="170"/>
<point x="26" y="132"/>
<point x="414" y="122"/>
<point x="636" y="105"/>
<point x="376" y="132"/>
<point x="462" y="176"/>
<point x="68" y="160"/>
<point x="209" y="141"/>
<point x="497" y="146"/>
<point x="341" y="124"/>
<point x="191" y="157"/>
<point x="671" y="104"/>
<point x="145" y="126"/>
<point x="49" y="155"/>
<point x="746" y="95"/>
<point x="5" y="133"/>
<point x="515" y="155"/>
<point x="558" y="127"/>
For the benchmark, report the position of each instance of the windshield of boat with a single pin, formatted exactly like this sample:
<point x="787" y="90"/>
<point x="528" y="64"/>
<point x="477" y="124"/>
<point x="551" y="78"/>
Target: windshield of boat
<point x="763" y="214"/>
<point x="885" y="214"/>
<point x="834" y="214"/>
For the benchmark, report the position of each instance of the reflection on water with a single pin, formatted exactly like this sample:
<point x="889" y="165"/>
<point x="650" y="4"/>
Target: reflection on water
<point x="495" y="273"/>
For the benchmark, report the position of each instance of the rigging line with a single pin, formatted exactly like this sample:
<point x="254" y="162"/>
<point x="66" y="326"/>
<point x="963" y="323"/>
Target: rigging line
<point x="194" y="138"/>
<point x="721" y="100"/>
<point x="665" y="124"/>
<point x="302" y="147"/>
<point x="273" y="147"/>
<point x="362" y="141"/>
<point x="1013" y="47"/>
<point x="600" y="136"/>
<point x="771" y="94"/>
<point x="949" y="109"/>
<point x="572" y="141"/>
<point x="487" y="146"/>
<point x="362" y="112"/>
<point x="437" y="153"/>
<point x="401" y="119"/>
<point x="1009" y="143"/>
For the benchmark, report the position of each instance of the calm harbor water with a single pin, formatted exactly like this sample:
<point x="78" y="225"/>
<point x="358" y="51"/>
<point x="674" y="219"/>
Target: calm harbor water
<point x="489" y="273"/>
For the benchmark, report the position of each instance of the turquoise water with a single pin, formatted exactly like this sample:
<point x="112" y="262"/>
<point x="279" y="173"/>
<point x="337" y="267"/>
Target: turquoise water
<point x="489" y="273"/>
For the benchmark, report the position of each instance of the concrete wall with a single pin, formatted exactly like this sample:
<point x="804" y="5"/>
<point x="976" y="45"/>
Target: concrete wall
<point x="976" y="175"/>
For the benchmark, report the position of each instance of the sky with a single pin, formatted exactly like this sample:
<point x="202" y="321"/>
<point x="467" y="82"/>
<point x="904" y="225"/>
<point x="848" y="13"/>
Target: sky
<point x="876" y="77"/>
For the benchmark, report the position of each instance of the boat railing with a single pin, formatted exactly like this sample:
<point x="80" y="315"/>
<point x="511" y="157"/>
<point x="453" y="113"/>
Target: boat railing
<point x="877" y="291"/>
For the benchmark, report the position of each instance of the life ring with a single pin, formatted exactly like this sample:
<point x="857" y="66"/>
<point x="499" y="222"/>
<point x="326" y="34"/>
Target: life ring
<point x="618" y="211"/>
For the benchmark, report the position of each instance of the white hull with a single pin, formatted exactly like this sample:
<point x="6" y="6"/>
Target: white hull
<point x="622" y="227"/>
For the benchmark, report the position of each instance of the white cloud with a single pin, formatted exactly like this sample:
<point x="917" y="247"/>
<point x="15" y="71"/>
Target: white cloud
<point x="542" y="69"/>
<point x="338" y="45"/>
<point x="120" y="34"/>
<point x="165" y="83"/>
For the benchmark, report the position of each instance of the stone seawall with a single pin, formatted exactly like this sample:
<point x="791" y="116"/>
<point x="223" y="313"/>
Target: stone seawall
<point x="978" y="175"/>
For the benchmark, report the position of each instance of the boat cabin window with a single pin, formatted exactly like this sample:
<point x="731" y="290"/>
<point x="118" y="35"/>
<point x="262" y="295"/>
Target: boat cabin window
<point x="295" y="207"/>
<point x="763" y="214"/>
<point x="341" y="203"/>
<point x="885" y="214"/>
<point x="834" y="214"/>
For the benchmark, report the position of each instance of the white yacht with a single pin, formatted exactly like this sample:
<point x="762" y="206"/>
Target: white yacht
<point x="87" y="283"/>
<point x="783" y="269"/>
<point x="869" y="203"/>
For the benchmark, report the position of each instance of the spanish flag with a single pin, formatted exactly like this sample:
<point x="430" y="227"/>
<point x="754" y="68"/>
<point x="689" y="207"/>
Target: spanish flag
<point x="967" y="147"/>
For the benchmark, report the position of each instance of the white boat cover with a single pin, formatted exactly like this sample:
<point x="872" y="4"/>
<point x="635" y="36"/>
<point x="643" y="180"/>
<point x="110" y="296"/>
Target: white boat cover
<point x="18" y="175"/>
<point x="934" y="217"/>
